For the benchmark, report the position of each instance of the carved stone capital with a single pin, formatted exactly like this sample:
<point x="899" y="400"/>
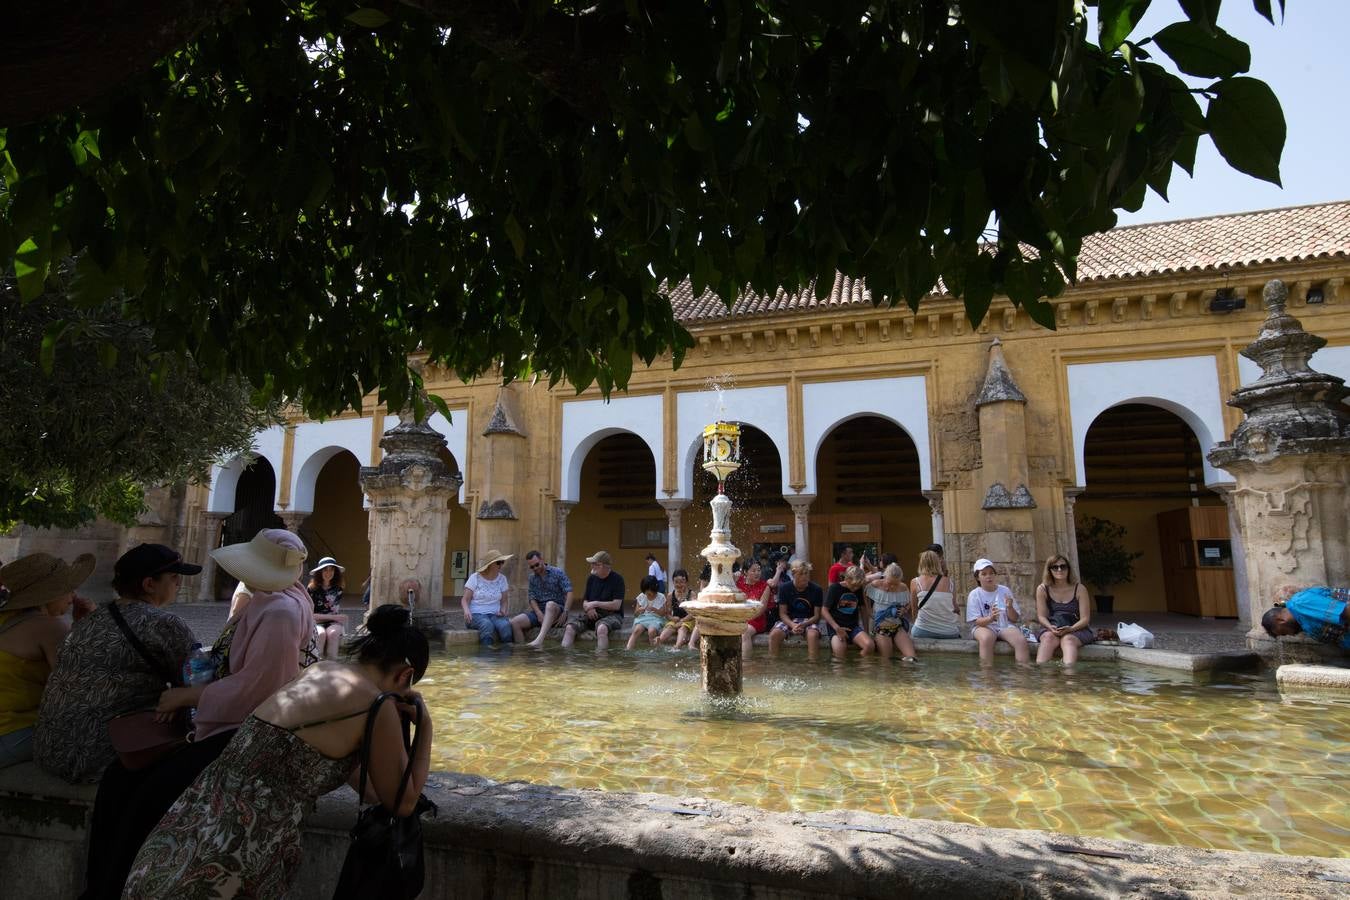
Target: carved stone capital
<point x="800" y="503"/>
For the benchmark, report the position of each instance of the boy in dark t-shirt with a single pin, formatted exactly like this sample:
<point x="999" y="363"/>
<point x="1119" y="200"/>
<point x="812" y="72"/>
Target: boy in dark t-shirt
<point x="843" y="614"/>
<point x="799" y="603"/>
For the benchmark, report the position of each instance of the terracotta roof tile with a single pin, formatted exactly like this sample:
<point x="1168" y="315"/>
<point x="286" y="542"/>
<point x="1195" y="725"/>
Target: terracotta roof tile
<point x="1134" y="251"/>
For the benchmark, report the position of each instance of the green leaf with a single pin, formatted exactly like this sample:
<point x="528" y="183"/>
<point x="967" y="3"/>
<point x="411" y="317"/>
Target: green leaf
<point x="1204" y="13"/>
<point x="695" y="134"/>
<point x="50" y="338"/>
<point x="516" y="234"/>
<point x="1247" y="126"/>
<point x="1264" y="8"/>
<point x="1116" y="19"/>
<point x="441" y="406"/>
<point x="32" y="263"/>
<point x="1208" y="55"/>
<point x="367" y="17"/>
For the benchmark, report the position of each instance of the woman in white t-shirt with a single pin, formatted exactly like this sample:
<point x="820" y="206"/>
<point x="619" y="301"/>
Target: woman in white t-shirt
<point x="484" y="600"/>
<point x="992" y="611"/>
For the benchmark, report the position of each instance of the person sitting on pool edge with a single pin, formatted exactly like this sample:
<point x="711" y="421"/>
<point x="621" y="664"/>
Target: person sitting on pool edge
<point x="845" y="613"/>
<point x="550" y="595"/>
<point x="992" y="612"/>
<point x="799" y="602"/>
<point x="601" y="603"/>
<point x="1322" y="613"/>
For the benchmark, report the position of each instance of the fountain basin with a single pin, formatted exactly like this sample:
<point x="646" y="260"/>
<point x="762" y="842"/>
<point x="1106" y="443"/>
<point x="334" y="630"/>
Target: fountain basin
<point x="1210" y="760"/>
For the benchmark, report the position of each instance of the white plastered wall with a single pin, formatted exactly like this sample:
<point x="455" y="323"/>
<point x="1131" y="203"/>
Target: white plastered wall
<point x="456" y="431"/>
<point x="318" y="442"/>
<point x="763" y="407"/>
<point x="1187" y="386"/>
<point x="224" y="479"/>
<point x="586" y="422"/>
<point x="828" y="404"/>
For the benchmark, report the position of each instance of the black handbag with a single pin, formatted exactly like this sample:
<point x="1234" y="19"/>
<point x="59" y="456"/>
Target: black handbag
<point x="384" y="861"/>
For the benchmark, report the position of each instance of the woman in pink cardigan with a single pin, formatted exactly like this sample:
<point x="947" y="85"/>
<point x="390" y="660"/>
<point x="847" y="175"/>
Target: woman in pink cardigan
<point x="259" y="652"/>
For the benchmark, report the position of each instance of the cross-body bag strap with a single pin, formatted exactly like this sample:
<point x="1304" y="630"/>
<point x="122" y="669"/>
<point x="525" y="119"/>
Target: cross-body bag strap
<point x="136" y="643"/>
<point x="365" y="749"/>
<point x="936" y="582"/>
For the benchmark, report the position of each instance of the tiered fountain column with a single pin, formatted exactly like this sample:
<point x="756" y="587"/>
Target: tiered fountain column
<point x="721" y="610"/>
<point x="1291" y="460"/>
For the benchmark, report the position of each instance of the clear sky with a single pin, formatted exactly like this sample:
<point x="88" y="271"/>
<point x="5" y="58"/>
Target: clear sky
<point x="1306" y="60"/>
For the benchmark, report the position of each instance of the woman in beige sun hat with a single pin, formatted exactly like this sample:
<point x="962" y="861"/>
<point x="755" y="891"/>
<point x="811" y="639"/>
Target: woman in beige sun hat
<point x="484" y="600"/>
<point x="38" y="590"/>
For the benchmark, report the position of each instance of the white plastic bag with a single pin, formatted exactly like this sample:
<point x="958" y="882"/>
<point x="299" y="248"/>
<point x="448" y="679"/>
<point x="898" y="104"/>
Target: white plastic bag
<point x="1130" y="633"/>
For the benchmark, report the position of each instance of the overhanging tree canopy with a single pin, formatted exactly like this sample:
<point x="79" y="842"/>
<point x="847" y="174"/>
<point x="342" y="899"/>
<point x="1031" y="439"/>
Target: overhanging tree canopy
<point x="305" y="192"/>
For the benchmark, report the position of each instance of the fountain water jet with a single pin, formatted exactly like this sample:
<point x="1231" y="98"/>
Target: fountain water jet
<point x="721" y="610"/>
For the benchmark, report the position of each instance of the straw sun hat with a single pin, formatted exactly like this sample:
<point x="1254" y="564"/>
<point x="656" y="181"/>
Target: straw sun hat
<point x="269" y="562"/>
<point x="492" y="557"/>
<point x="40" y="578"/>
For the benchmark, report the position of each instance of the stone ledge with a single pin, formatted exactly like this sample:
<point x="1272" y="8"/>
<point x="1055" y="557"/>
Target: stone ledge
<point x="1221" y="661"/>
<point x="1318" y="678"/>
<point x="516" y="840"/>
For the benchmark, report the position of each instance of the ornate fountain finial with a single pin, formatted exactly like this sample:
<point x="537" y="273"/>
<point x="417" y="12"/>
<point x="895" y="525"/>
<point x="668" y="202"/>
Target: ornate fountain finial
<point x="1291" y="408"/>
<point x="721" y="450"/>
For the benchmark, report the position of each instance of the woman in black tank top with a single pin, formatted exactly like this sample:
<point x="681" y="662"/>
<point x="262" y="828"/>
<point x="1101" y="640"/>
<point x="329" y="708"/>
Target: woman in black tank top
<point x="1064" y="612"/>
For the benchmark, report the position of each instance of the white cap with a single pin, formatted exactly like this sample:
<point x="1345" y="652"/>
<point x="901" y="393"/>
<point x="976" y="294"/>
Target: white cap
<point x="982" y="564"/>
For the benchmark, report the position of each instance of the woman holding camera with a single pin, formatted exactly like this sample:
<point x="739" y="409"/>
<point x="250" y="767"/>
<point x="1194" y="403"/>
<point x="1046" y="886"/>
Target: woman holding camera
<point x="1064" y="610"/>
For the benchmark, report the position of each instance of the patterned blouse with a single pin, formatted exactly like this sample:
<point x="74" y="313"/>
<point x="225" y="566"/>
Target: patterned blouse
<point x="327" y="601"/>
<point x="99" y="675"/>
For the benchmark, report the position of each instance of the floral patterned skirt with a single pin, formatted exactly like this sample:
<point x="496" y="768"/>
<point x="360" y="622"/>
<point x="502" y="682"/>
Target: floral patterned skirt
<point x="236" y="831"/>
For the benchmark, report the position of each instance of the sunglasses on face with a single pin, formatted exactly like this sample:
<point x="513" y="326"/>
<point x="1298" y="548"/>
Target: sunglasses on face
<point x="1059" y="567"/>
<point x="536" y="566"/>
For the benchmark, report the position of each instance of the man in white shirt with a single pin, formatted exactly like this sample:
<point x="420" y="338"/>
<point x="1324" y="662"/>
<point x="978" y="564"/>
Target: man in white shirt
<point x="655" y="571"/>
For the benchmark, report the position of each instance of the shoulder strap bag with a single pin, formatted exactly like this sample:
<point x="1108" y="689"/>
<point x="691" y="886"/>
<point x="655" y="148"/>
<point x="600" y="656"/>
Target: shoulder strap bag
<point x="931" y="589"/>
<point x="139" y="739"/>
<point x="384" y="861"/>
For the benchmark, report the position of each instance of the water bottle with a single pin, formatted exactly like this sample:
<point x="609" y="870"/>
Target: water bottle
<point x="199" y="667"/>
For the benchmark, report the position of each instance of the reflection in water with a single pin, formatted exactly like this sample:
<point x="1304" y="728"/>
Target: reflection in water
<point x="1124" y="752"/>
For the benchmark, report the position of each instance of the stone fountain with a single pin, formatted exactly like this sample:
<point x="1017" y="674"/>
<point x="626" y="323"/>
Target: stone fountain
<point x="721" y="610"/>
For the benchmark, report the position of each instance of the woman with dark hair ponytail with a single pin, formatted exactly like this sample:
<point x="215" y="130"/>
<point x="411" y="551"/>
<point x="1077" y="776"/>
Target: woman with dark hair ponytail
<point x="236" y="831"/>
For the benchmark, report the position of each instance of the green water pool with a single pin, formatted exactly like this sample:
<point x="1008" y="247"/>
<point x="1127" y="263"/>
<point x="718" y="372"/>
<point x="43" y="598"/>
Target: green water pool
<point x="1107" y="750"/>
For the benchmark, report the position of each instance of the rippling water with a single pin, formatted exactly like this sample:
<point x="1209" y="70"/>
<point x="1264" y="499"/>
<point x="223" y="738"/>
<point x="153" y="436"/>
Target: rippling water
<point x="1108" y="750"/>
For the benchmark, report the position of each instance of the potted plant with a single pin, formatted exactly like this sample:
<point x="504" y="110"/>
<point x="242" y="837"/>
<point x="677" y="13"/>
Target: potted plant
<point x="1103" y="559"/>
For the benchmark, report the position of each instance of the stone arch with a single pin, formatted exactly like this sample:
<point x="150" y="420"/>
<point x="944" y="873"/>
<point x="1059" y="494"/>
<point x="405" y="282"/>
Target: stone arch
<point x="307" y="476"/>
<point x="588" y="422"/>
<point x="901" y="401"/>
<point x="1185" y="386"/>
<point x="868" y="479"/>
<point x="338" y="524"/>
<point x="1143" y="461"/>
<point x="764" y="408"/>
<point x="616" y="508"/>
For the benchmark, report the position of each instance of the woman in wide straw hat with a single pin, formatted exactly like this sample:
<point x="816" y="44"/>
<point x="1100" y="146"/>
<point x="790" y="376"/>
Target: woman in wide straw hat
<point x="325" y="590"/>
<point x="484" y="600"/>
<point x="38" y="590"/>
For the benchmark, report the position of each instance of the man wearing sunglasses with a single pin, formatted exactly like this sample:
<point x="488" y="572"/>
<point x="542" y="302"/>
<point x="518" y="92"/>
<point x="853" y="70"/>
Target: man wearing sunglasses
<point x="550" y="594"/>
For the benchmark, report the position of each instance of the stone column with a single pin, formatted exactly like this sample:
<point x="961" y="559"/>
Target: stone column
<point x="560" y="510"/>
<point x="1071" y="496"/>
<point x="801" y="507"/>
<point x="1239" y="557"/>
<point x="1290" y="458"/>
<point x="934" y="499"/>
<point x="293" y="520"/>
<point x="410" y="494"/>
<point x="674" y="542"/>
<point x="211" y="526"/>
